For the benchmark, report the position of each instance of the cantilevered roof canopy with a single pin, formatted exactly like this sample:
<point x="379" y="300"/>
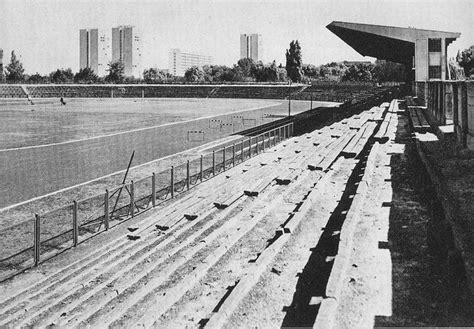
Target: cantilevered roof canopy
<point x="396" y="44"/>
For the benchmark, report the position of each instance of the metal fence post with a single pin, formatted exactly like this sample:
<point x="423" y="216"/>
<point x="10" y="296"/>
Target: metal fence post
<point x="200" y="169"/>
<point x="242" y="150"/>
<point x="256" y="143"/>
<point x="153" y="190"/>
<point x="289" y="102"/>
<point x="172" y="182"/>
<point x="223" y="158"/>
<point x="263" y="141"/>
<point x="213" y="163"/>
<point x="250" y="147"/>
<point x="132" y="198"/>
<point x="37" y="239"/>
<point x="75" y="226"/>
<point x="106" y="210"/>
<point x="187" y="175"/>
<point x="233" y="154"/>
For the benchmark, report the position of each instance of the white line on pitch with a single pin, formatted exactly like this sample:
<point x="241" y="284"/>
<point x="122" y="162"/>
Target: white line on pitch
<point x="204" y="147"/>
<point x="135" y="130"/>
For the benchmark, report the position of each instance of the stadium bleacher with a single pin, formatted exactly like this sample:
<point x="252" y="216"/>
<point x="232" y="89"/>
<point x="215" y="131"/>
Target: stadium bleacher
<point x="266" y="92"/>
<point x="11" y="91"/>
<point x="171" y="91"/>
<point x="338" y="92"/>
<point x="324" y="91"/>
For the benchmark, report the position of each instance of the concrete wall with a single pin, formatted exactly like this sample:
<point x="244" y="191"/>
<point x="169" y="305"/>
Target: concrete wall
<point x="470" y="114"/>
<point x="451" y="102"/>
<point x="421" y="60"/>
<point x="425" y="58"/>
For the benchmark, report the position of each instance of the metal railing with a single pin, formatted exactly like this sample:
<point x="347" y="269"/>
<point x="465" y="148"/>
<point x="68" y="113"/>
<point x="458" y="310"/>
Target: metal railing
<point x="27" y="243"/>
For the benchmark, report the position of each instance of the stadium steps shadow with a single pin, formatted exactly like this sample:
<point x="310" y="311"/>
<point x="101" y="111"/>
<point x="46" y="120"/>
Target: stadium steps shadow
<point x="313" y="279"/>
<point x="434" y="283"/>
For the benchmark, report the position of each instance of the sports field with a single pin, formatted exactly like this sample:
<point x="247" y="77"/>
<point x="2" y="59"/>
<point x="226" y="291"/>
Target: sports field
<point x="48" y="122"/>
<point x="46" y="147"/>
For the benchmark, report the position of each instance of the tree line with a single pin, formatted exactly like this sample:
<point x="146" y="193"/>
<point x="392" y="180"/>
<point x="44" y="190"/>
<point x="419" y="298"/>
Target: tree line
<point x="245" y="70"/>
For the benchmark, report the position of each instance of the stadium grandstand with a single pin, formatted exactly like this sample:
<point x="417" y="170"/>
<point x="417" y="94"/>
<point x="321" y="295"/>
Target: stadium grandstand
<point x="329" y="91"/>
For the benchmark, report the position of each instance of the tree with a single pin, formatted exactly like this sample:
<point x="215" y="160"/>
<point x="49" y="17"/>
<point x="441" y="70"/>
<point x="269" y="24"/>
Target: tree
<point x="258" y="71"/>
<point x="116" y="72"/>
<point x="194" y="74"/>
<point x="246" y="64"/>
<point x="456" y="72"/>
<point x="294" y="61"/>
<point x="38" y="78"/>
<point x="154" y="75"/>
<point x="231" y="74"/>
<point x="15" y="70"/>
<point x="2" y="75"/>
<point x="359" y="72"/>
<point x="324" y="71"/>
<point x="384" y="71"/>
<point x="61" y="76"/>
<point x="466" y="61"/>
<point x="268" y="72"/>
<point x="86" y="75"/>
<point x="215" y="73"/>
<point x="282" y="75"/>
<point x="239" y="74"/>
<point x="310" y="71"/>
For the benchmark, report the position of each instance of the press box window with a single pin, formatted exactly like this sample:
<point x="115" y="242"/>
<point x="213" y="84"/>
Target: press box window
<point x="434" y="45"/>
<point x="434" y="72"/>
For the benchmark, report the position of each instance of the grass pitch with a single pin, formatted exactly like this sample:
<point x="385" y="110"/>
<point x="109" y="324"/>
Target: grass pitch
<point x="49" y="122"/>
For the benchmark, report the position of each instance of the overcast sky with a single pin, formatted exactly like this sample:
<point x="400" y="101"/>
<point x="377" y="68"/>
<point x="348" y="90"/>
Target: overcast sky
<point x="45" y="33"/>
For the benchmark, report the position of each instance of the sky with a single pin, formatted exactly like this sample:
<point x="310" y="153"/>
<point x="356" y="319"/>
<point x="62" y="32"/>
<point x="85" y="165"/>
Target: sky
<point x="45" y="33"/>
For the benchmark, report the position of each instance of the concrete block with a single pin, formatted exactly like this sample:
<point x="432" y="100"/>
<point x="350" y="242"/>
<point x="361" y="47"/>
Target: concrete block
<point x="283" y="181"/>
<point x="326" y="314"/>
<point x="470" y="142"/>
